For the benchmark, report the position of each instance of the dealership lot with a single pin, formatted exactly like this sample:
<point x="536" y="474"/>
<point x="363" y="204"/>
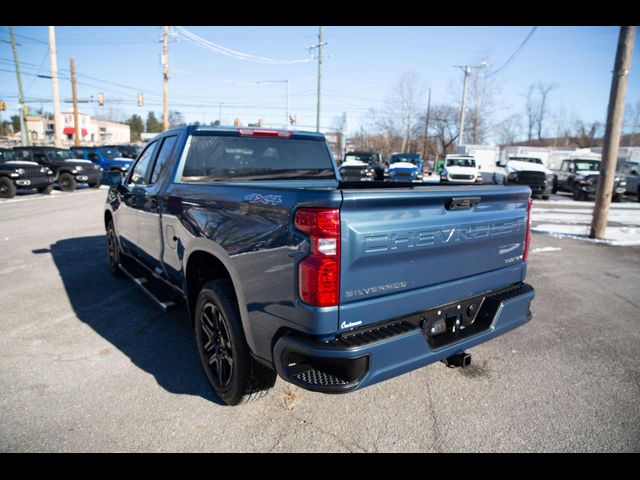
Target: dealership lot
<point x="90" y="364"/>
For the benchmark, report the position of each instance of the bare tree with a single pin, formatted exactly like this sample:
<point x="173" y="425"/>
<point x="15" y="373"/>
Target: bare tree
<point x="508" y="130"/>
<point x="585" y="133"/>
<point x="631" y="121"/>
<point x="564" y="123"/>
<point x="537" y="107"/>
<point x="444" y="122"/>
<point x="403" y="102"/>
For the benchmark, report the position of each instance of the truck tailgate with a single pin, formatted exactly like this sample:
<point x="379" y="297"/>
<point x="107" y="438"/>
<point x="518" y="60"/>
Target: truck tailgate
<point x="405" y="250"/>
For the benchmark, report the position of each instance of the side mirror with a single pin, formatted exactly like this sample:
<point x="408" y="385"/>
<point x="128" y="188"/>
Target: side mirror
<point x="112" y="178"/>
<point x="634" y="172"/>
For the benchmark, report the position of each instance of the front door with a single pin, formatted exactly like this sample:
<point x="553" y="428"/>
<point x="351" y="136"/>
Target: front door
<point x="132" y="195"/>
<point x="150" y="243"/>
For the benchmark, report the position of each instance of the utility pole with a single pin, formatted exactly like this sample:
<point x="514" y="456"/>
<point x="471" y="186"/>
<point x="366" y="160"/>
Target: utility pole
<point x="343" y="136"/>
<point x="426" y="128"/>
<point x="286" y="122"/>
<point x="57" y="116"/>
<point x="319" y="47"/>
<point x="21" y="106"/>
<point x="165" y="65"/>
<point x="467" y="71"/>
<point x="76" y="126"/>
<point x="611" y="142"/>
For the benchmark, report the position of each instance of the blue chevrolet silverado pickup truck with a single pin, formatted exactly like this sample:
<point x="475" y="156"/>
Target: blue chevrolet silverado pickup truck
<point x="285" y="268"/>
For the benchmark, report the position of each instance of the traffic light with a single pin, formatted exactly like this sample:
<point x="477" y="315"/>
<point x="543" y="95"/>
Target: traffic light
<point x="101" y="99"/>
<point x="139" y="99"/>
<point x="3" y="106"/>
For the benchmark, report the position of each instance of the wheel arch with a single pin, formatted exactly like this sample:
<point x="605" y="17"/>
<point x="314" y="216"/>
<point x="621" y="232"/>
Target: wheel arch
<point x="204" y="261"/>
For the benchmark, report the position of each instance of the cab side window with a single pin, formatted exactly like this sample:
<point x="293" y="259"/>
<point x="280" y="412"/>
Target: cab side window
<point x="139" y="171"/>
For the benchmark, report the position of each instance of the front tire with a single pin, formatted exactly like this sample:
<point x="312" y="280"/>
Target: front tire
<point x="95" y="185"/>
<point x="7" y="188"/>
<point x="45" y="190"/>
<point x="232" y="373"/>
<point x="578" y="195"/>
<point x="67" y="182"/>
<point x="113" y="251"/>
<point x="617" y="198"/>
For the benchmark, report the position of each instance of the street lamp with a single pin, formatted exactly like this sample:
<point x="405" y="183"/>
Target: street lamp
<point x="467" y="71"/>
<point x="286" y="123"/>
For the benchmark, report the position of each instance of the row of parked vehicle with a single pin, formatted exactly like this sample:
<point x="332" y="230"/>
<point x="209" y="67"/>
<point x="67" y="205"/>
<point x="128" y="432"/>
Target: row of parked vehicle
<point x="575" y="175"/>
<point x="406" y="167"/>
<point x="41" y="168"/>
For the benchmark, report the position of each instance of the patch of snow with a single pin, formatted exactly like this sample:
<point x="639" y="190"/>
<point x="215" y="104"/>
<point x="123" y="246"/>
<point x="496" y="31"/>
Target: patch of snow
<point x="584" y="216"/>
<point x="545" y="249"/>
<point x="618" y="236"/>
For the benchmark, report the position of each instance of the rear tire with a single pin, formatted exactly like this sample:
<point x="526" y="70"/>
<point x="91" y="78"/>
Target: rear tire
<point x="67" y="182"/>
<point x="7" y="188"/>
<point x="45" y="190"/>
<point x="113" y="251"/>
<point x="554" y="189"/>
<point x="546" y="197"/>
<point x="230" y="369"/>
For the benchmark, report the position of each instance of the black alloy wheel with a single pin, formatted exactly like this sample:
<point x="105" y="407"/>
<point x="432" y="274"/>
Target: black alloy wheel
<point x="216" y="344"/>
<point x="113" y="251"/>
<point x="7" y="188"/>
<point x="234" y="375"/>
<point x="67" y="182"/>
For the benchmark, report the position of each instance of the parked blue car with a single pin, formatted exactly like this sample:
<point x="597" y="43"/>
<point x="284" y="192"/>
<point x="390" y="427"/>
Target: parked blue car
<point x="108" y="158"/>
<point x="405" y="167"/>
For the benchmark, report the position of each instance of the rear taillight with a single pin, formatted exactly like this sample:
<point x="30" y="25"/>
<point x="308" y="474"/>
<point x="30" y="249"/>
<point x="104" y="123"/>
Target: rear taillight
<point x="527" y="240"/>
<point x="319" y="272"/>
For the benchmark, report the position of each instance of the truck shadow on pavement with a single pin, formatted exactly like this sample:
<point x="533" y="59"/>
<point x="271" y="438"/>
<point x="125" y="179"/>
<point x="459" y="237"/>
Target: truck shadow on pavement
<point x="159" y="343"/>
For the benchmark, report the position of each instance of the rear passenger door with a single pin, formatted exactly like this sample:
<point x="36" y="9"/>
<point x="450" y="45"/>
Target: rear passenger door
<point x="149" y="241"/>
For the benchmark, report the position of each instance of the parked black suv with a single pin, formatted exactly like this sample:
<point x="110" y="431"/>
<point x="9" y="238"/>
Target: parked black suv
<point x="16" y="174"/>
<point x="69" y="171"/>
<point x="580" y="177"/>
<point x="351" y="170"/>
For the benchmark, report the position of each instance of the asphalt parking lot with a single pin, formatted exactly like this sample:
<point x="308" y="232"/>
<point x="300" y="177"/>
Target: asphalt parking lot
<point x="89" y="363"/>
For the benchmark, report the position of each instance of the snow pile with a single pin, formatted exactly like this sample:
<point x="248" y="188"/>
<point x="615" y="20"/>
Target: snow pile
<point x="583" y="216"/>
<point x="619" y="236"/>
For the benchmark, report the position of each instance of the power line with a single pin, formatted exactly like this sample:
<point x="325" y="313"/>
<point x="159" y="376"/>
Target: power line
<point x="517" y="52"/>
<point x="202" y="42"/>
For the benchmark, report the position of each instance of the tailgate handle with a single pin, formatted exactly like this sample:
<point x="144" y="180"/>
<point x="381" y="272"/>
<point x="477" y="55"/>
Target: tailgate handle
<point x="461" y="203"/>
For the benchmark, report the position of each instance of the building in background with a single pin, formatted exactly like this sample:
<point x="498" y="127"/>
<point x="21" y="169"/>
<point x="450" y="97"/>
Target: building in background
<point x="92" y="132"/>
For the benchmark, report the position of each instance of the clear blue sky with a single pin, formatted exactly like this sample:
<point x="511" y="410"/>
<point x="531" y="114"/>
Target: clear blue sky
<point x="362" y="65"/>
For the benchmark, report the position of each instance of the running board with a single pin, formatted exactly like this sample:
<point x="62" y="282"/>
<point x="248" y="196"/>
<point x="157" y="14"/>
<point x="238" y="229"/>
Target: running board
<point x="152" y="287"/>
